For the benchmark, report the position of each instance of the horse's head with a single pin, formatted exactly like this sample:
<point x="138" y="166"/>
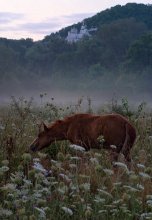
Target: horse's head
<point x="43" y="140"/>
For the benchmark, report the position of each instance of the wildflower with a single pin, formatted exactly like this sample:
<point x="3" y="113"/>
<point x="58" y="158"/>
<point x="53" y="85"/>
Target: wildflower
<point x="5" y="213"/>
<point x="67" y="211"/>
<point x="102" y="211"/>
<point x="117" y="184"/>
<point x="9" y="187"/>
<point x="141" y="166"/>
<point x="76" y="147"/>
<point x="94" y="161"/>
<point x="36" y="159"/>
<point x="105" y="193"/>
<point x="85" y="186"/>
<point x="4" y="169"/>
<point x="2" y="127"/>
<point x="149" y="197"/>
<point x="122" y="165"/>
<point x="113" y="147"/>
<point x="41" y="211"/>
<point x="130" y="188"/>
<point x="99" y="200"/>
<point x="149" y="203"/>
<point x="140" y="187"/>
<point x="145" y="215"/>
<point x="42" y="155"/>
<point x="64" y="177"/>
<point x="108" y="172"/>
<point x="145" y="176"/>
<point x="75" y="158"/>
<point x="39" y="167"/>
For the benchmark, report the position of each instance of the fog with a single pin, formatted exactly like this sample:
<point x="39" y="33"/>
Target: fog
<point x="43" y="91"/>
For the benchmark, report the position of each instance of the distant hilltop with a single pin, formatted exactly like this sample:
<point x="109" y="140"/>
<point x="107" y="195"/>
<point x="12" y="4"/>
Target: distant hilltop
<point x="74" y="35"/>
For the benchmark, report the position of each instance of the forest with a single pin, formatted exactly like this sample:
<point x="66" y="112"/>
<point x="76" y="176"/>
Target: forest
<point x="117" y="56"/>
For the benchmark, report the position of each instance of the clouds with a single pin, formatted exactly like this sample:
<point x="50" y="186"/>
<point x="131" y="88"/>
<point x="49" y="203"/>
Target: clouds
<point x="53" y="24"/>
<point x="8" y="17"/>
<point x="19" y="23"/>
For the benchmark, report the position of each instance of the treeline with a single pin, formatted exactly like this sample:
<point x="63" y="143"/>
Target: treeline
<point x="120" y="51"/>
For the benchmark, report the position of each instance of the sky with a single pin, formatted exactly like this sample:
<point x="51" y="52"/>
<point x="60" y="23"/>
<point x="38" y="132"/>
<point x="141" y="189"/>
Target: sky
<point x="37" y="18"/>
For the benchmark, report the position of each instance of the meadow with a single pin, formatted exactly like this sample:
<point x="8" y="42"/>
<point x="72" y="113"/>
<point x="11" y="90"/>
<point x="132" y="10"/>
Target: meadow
<point x="65" y="182"/>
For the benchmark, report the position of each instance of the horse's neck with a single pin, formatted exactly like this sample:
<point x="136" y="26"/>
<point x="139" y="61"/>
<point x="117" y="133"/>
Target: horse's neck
<point x="59" y="132"/>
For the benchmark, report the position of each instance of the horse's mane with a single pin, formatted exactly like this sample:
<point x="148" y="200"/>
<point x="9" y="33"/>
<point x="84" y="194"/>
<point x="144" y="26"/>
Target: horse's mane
<point x="68" y="119"/>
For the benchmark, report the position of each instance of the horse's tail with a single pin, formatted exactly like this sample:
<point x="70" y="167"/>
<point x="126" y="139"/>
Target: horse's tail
<point x="130" y="136"/>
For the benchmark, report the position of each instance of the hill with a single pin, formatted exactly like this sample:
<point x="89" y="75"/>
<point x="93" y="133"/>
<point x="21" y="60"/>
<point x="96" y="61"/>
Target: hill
<point x="117" y="55"/>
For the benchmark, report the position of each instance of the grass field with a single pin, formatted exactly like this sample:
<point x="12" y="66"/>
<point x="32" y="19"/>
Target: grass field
<point x="65" y="182"/>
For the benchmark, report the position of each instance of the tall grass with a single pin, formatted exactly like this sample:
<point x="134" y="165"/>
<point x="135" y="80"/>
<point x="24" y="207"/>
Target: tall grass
<point x="64" y="181"/>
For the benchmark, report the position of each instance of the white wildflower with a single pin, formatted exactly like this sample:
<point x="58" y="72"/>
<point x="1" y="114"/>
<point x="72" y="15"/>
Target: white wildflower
<point x="94" y="161"/>
<point x="140" y="187"/>
<point x="103" y="192"/>
<point x="75" y="158"/>
<point x="77" y="147"/>
<point x="117" y="184"/>
<point x="36" y="159"/>
<point x="41" y="211"/>
<point x="40" y="168"/>
<point x="9" y="186"/>
<point x="73" y="166"/>
<point x="113" y="147"/>
<point x="4" y="169"/>
<point x="5" y="213"/>
<point x="149" y="203"/>
<point x="144" y="175"/>
<point x="27" y="182"/>
<point x="122" y="165"/>
<point x="145" y="216"/>
<point x="102" y="211"/>
<point x="108" y="172"/>
<point x="54" y="162"/>
<point x="141" y="166"/>
<point x="65" y="177"/>
<point x="85" y="186"/>
<point x="150" y="137"/>
<point x="99" y="200"/>
<point x="130" y="188"/>
<point x="149" y="197"/>
<point x="67" y="211"/>
<point x="2" y="127"/>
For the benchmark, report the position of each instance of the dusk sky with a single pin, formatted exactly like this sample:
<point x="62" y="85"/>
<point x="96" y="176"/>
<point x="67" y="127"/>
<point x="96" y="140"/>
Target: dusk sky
<point x="38" y="18"/>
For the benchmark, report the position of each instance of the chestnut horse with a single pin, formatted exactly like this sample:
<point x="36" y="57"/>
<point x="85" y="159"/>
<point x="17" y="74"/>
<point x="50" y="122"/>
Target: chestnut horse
<point x="85" y="130"/>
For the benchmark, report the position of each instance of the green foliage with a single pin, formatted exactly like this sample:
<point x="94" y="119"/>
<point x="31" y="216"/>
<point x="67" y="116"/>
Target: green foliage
<point x="140" y="54"/>
<point x="121" y="45"/>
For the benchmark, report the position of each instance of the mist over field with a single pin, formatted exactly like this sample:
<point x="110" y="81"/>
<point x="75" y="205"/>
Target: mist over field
<point x="99" y="92"/>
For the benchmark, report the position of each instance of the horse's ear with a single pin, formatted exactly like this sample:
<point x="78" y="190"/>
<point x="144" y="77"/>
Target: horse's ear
<point x="39" y="127"/>
<point x="45" y="127"/>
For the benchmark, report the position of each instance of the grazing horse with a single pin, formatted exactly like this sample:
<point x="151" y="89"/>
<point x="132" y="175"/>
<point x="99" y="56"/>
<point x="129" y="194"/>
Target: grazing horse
<point x="85" y="130"/>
